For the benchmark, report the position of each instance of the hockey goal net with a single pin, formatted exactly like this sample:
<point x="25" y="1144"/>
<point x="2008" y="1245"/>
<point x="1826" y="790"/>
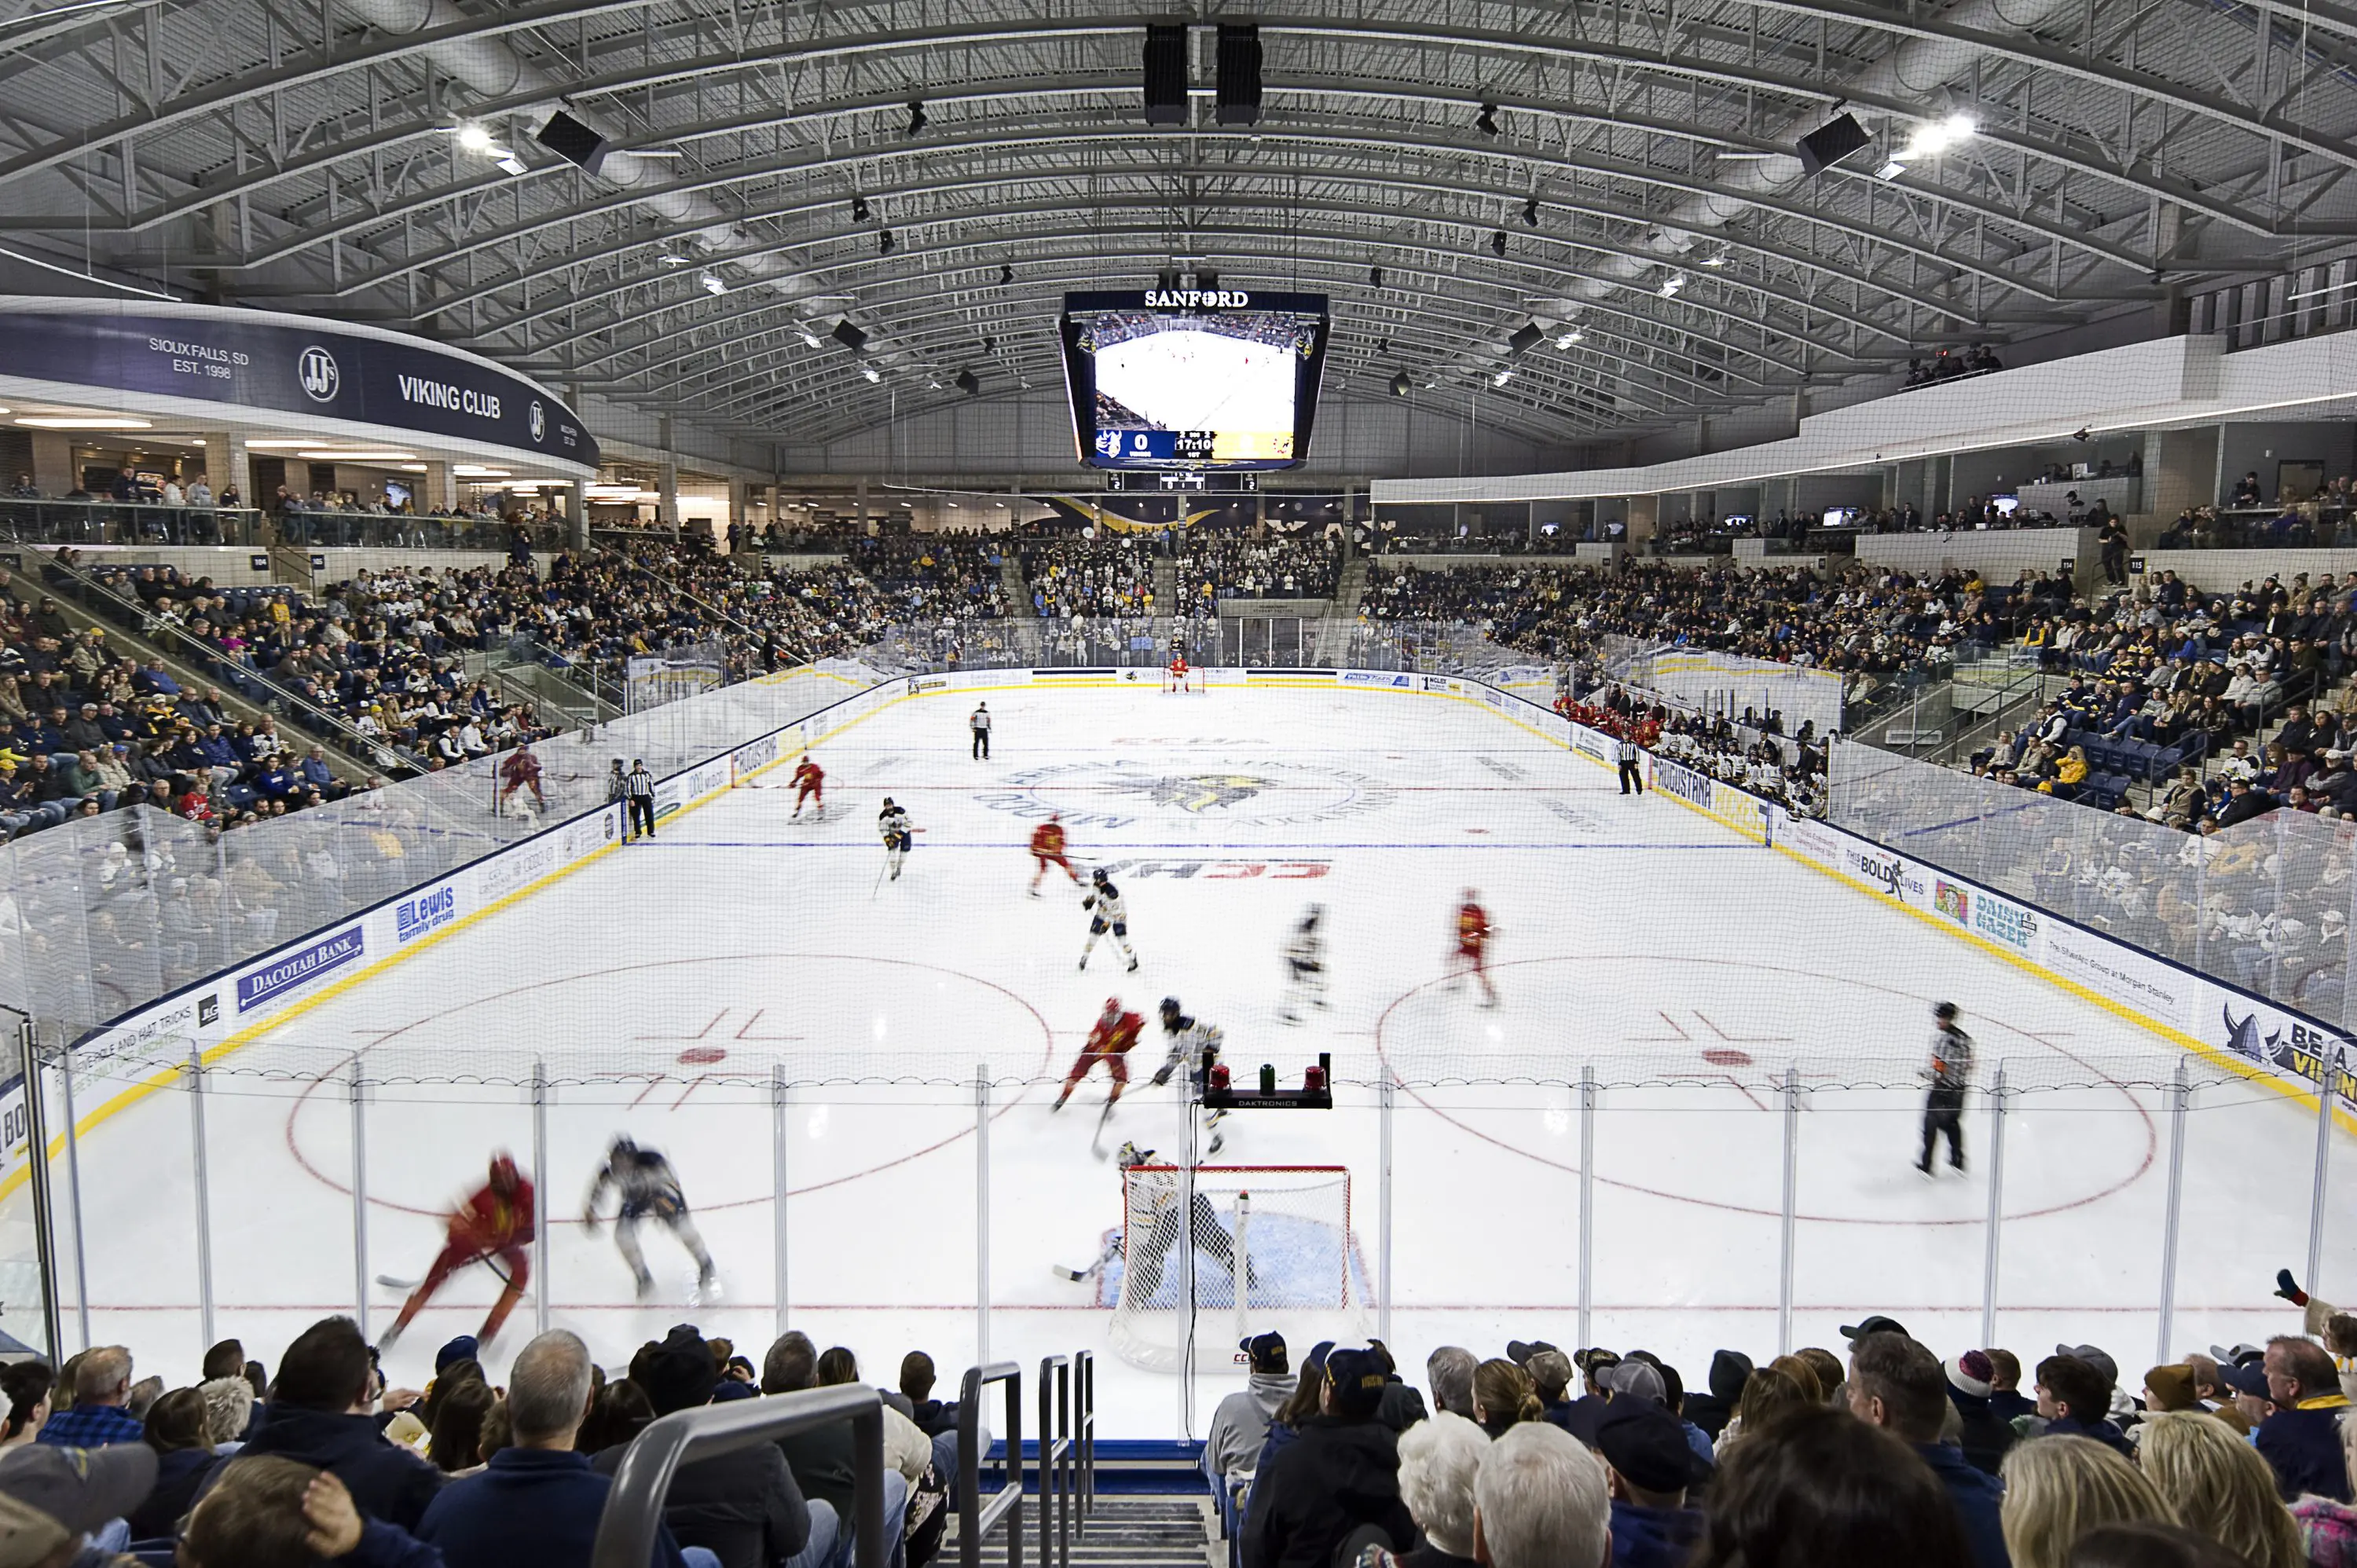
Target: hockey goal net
<point x="1182" y="677"/>
<point x="1283" y="1231"/>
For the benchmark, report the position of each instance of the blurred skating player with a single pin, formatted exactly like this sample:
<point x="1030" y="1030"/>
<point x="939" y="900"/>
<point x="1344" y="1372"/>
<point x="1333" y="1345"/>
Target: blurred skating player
<point x="810" y="784"/>
<point x="521" y="771"/>
<point x="892" y="825"/>
<point x="1111" y="914"/>
<point x="646" y="1187"/>
<point x="1304" y="965"/>
<point x="1115" y="1033"/>
<point x="1473" y="934"/>
<point x="1151" y="1229"/>
<point x="1189" y="1039"/>
<point x="492" y="1227"/>
<point x="1047" y="849"/>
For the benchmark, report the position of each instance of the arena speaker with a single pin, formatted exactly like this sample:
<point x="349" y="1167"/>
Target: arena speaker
<point x="1166" y="73"/>
<point x="850" y="336"/>
<point x="968" y="383"/>
<point x="1239" y="93"/>
<point x="574" y="142"/>
<point x="1831" y="142"/>
<point x="1525" y="338"/>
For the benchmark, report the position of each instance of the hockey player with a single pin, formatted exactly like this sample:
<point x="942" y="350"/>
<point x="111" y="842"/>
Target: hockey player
<point x="1304" y="965"/>
<point x="521" y="771"/>
<point x="492" y="1227"/>
<point x="645" y="1187"/>
<point x="892" y="825"/>
<point x="1116" y="1032"/>
<point x="810" y="784"/>
<point x="1150" y="1230"/>
<point x="1047" y="849"/>
<point x="1473" y="934"/>
<point x="1950" y="1073"/>
<point x="1187" y="1040"/>
<point x="1111" y="914"/>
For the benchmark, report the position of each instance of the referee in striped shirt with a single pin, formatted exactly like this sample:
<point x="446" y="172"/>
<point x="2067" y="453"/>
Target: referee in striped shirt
<point x="639" y="792"/>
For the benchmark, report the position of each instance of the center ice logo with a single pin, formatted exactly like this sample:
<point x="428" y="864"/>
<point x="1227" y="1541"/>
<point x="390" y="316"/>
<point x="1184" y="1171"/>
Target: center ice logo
<point x="1255" y="793"/>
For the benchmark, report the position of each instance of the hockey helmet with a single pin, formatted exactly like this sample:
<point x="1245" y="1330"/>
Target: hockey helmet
<point x="1472" y="895"/>
<point x="1170" y="1009"/>
<point x="504" y="1175"/>
<point x="1317" y="912"/>
<point x="888" y="800"/>
<point x="1097" y="874"/>
<point x="1131" y="1156"/>
<point x="1112" y="1007"/>
<point x="625" y="1147"/>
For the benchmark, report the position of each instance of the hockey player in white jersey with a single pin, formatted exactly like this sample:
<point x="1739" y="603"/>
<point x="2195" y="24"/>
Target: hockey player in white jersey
<point x="1151" y="1228"/>
<point x="1109" y="913"/>
<point x="892" y="826"/>
<point x="646" y="1187"/>
<point x="1304" y="965"/>
<point x="1189" y="1039"/>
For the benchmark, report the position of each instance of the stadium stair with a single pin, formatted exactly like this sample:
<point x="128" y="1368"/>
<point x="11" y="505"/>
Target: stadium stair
<point x="1124" y="1531"/>
<point x="1165" y="586"/>
<point x="1010" y="575"/>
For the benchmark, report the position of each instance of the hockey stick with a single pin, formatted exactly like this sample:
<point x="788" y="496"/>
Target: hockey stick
<point x="1096" y="1139"/>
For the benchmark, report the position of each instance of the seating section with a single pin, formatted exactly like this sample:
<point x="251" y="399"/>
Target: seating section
<point x="1068" y="576"/>
<point x="1226" y="566"/>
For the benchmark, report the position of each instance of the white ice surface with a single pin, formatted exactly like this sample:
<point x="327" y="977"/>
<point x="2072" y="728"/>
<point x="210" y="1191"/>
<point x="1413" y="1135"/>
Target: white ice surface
<point x="1626" y="929"/>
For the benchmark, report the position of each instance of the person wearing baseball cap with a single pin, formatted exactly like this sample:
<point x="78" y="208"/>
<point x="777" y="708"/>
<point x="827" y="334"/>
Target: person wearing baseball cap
<point x="1338" y="1480"/>
<point x="81" y="1488"/>
<point x="1240" y="1425"/>
<point x="1649" y="1466"/>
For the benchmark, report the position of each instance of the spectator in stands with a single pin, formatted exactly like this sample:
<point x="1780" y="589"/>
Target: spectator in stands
<point x="1550" y="1376"/>
<point x="1983" y="1437"/>
<point x="281" y="1511"/>
<point x="1896" y="1384"/>
<point x="537" y="1503"/>
<point x="27" y="1386"/>
<point x="176" y="1430"/>
<point x="1819" y="1489"/>
<point x="1650" y="1469"/>
<point x="1503" y="1396"/>
<point x="1340" y="1475"/>
<point x="2058" y="1488"/>
<point x="2218" y="1485"/>
<point x="1729" y="1370"/>
<point x="821" y="1458"/>
<point x="1448" y="1371"/>
<point x="319" y="1413"/>
<point x="101" y="1383"/>
<point x="1439" y="1460"/>
<point x="1240" y="1426"/>
<point x="88" y="1492"/>
<point x="2302" y="1439"/>
<point x="1770" y="1394"/>
<point x="2074" y="1400"/>
<point x="1540" y="1499"/>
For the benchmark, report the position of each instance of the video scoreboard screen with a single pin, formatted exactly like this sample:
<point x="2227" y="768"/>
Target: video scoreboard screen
<point x="1214" y="379"/>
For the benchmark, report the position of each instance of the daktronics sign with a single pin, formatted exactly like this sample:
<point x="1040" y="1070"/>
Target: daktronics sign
<point x="254" y="358"/>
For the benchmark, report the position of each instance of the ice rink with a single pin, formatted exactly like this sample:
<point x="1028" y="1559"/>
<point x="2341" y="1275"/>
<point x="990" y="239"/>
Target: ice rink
<point x="1633" y="934"/>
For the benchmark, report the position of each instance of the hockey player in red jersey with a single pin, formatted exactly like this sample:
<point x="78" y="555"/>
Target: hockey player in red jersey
<point x="1047" y="849"/>
<point x="1116" y="1031"/>
<point x="1473" y="933"/>
<point x="810" y="784"/>
<point x="495" y="1226"/>
<point x="521" y="771"/>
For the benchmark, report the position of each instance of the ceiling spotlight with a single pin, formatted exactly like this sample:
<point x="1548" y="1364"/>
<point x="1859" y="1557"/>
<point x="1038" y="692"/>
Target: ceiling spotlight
<point x="810" y="339"/>
<point x="1715" y="261"/>
<point x="1890" y="170"/>
<point x="712" y="282"/>
<point x="989" y="345"/>
<point x="1375" y="277"/>
<point x="1568" y="339"/>
<point x="1671" y="284"/>
<point x="1936" y="136"/>
<point x="871" y="372"/>
<point x="475" y="138"/>
<point x="859" y="209"/>
<point x="1382" y="345"/>
<point x="1527" y="337"/>
<point x="916" y="118"/>
<point x="1486" y="122"/>
<point x="884" y="242"/>
<point x="1502" y="377"/>
<point x="1005" y="273"/>
<point x="1530" y="212"/>
<point x="508" y="163"/>
<point x="1401" y="384"/>
<point x="1498" y="243"/>
<point x="968" y="383"/>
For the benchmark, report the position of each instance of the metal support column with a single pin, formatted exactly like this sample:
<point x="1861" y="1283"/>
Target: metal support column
<point x="1791" y="1210"/>
<point x="2328" y="1091"/>
<point x="1587" y="1200"/>
<point x="1995" y="1228"/>
<point x="779" y="1097"/>
<point x="360" y="1199"/>
<point x="203" y="1191"/>
<point x="982" y="1216"/>
<point x="540" y="1185"/>
<point x="73" y="1196"/>
<point x="36" y="1164"/>
<point x="2179" y="1094"/>
<point x="1383" y="1214"/>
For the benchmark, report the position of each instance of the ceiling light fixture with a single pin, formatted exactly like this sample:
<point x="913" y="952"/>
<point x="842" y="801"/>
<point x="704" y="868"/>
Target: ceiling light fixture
<point x="1936" y="136"/>
<point x="1006" y="274"/>
<point x="1569" y="339"/>
<point x="1498" y="243"/>
<point x="81" y="422"/>
<point x="884" y="242"/>
<point x="1502" y="377"/>
<point x="1671" y="284"/>
<point x="859" y="209"/>
<point x="1890" y="170"/>
<point x="475" y="138"/>
<point x="712" y="283"/>
<point x="1715" y="261"/>
<point x="331" y="455"/>
<point x="871" y="372"/>
<point x="508" y="163"/>
<point x="810" y="339"/>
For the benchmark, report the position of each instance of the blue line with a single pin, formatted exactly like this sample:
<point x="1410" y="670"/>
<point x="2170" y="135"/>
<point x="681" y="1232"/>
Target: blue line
<point x="1094" y="850"/>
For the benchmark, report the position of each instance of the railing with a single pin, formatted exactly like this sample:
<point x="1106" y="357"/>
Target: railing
<point x="156" y="523"/>
<point x="975" y="1518"/>
<point x="626" y="1530"/>
<point x="1059" y="1462"/>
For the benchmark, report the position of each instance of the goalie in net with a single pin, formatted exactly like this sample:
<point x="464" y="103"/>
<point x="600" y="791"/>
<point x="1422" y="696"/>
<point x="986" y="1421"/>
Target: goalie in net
<point x="1179" y="675"/>
<point x="1251" y="1247"/>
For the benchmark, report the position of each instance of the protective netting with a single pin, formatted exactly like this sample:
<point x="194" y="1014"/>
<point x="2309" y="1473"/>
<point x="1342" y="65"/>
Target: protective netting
<point x="2265" y="904"/>
<point x="1283" y="1231"/>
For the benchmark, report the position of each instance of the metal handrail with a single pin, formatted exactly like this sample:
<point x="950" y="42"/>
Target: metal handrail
<point x="1084" y="1432"/>
<point x="1056" y="1461"/>
<point x="626" y="1530"/>
<point x="976" y="1519"/>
